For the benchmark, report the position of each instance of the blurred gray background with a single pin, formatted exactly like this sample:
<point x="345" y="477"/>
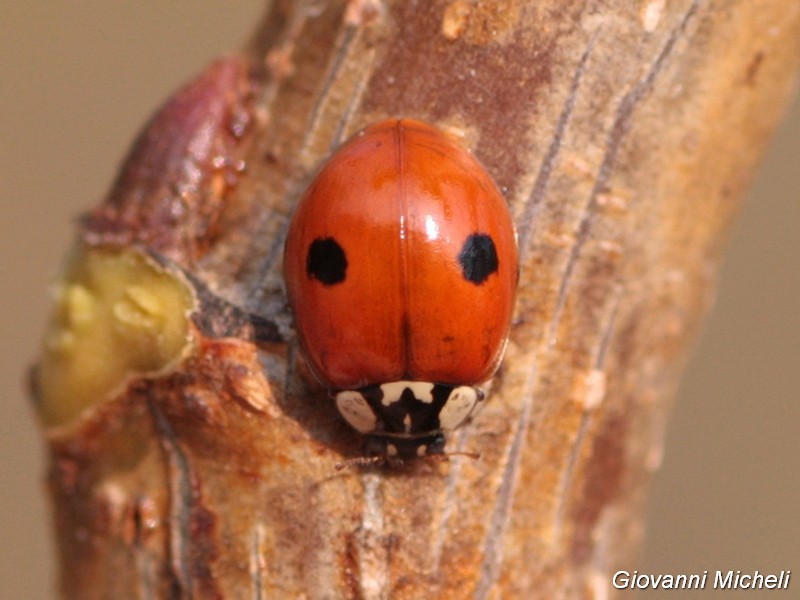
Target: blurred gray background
<point x="77" y="80"/>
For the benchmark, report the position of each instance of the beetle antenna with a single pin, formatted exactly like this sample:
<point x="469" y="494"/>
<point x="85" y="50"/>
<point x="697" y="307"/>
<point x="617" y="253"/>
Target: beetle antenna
<point x="361" y="461"/>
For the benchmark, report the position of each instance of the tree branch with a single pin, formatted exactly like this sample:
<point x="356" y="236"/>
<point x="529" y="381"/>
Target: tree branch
<point x="200" y="462"/>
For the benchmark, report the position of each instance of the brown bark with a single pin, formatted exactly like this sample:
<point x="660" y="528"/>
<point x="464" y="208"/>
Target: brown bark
<point x="623" y="136"/>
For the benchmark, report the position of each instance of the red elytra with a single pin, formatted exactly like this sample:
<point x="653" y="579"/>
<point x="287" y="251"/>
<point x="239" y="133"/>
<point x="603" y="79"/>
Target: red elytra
<point x="401" y="262"/>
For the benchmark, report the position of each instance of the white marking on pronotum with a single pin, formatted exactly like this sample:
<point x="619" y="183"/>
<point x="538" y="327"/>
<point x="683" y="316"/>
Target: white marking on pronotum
<point x="407" y="423"/>
<point x="422" y="390"/>
<point x="354" y="408"/>
<point x="458" y="408"/>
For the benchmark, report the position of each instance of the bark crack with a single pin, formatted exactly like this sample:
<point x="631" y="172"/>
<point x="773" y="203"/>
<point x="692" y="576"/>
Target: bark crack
<point x="590" y="403"/>
<point x="451" y="482"/>
<point x="279" y="59"/>
<point x="616" y="135"/>
<point x="337" y="62"/>
<point x="373" y="556"/>
<point x="257" y="563"/>
<point x="340" y="133"/>
<point x="505" y="496"/>
<point x="181" y="497"/>
<point x="543" y="175"/>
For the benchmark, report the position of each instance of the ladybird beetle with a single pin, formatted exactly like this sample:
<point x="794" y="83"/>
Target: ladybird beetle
<point x="401" y="267"/>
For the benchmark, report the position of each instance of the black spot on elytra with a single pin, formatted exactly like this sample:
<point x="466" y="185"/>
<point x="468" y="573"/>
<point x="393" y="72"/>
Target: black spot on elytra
<point x="326" y="261"/>
<point x="478" y="258"/>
